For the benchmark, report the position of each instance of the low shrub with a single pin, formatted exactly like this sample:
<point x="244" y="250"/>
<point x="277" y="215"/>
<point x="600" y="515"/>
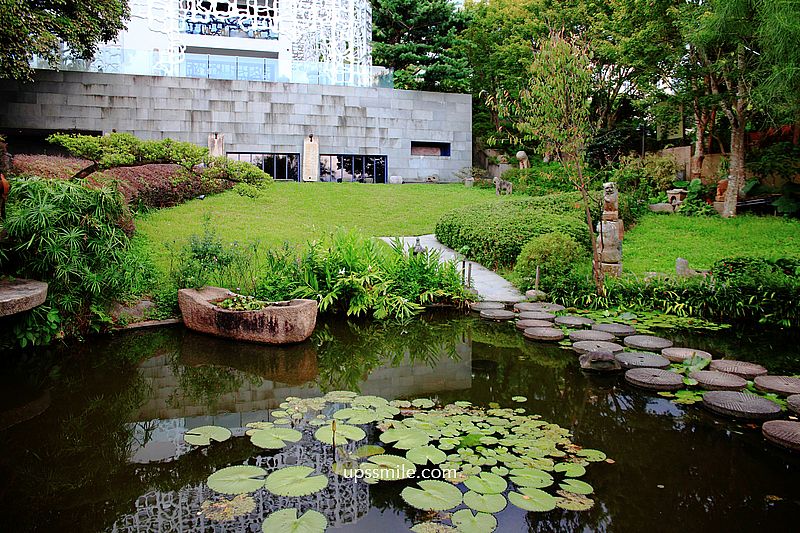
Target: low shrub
<point x="538" y="180"/>
<point x="556" y="254"/>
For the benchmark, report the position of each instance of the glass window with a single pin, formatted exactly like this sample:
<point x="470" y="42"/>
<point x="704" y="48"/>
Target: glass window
<point x="279" y="166"/>
<point x="353" y="167"/>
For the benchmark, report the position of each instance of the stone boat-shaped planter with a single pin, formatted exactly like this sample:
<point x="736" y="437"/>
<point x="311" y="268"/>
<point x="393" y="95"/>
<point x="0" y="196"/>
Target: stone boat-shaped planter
<point x="281" y="323"/>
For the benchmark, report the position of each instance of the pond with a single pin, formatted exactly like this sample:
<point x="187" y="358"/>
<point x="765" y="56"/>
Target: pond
<point x="101" y="446"/>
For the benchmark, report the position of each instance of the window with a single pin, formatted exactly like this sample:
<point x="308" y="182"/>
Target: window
<point x="350" y="167"/>
<point x="425" y="148"/>
<point x="279" y="166"/>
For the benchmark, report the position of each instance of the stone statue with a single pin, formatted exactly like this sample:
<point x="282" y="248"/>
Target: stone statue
<point x="522" y="157"/>
<point x="502" y="185"/>
<point x="216" y="144"/>
<point x="610" y="232"/>
<point x="610" y="197"/>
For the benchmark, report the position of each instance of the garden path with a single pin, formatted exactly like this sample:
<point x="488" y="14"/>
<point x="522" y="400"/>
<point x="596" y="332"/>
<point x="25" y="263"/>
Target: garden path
<point x="489" y="285"/>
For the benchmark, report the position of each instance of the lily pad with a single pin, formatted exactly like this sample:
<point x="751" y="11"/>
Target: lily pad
<point x="593" y="456"/>
<point x="287" y="521"/>
<point x="531" y="477"/>
<point x="570" y="469"/>
<point x="405" y="438"/>
<point x="203" y="435"/>
<point x="432" y="495"/>
<point x="357" y="415"/>
<point x="466" y="522"/>
<point x="486" y="483"/>
<point x="485" y="503"/>
<point x="237" y="479"/>
<point x="531" y="499"/>
<point x="368" y="450"/>
<point x="576" y="486"/>
<point x="387" y="467"/>
<point x="574" y="502"/>
<point x="295" y="481"/>
<point x="274" y="438"/>
<point x="422" y="454"/>
<point x="423" y="403"/>
<point x="224" y="510"/>
<point x="260" y="425"/>
<point x="500" y="470"/>
<point x="344" y="434"/>
<point x="519" y="399"/>
<point x="432" y="527"/>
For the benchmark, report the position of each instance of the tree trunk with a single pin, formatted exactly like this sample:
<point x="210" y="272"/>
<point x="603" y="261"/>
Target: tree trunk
<point x="736" y="170"/>
<point x="597" y="271"/>
<point x="699" y="147"/>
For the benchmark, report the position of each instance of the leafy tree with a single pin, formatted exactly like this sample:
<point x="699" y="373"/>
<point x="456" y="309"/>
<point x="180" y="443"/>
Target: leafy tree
<point x="38" y="27"/>
<point x="418" y="39"/>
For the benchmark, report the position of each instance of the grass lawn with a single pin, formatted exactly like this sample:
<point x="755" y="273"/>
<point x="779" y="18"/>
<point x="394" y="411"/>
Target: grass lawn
<point x="657" y="240"/>
<point x="299" y="212"/>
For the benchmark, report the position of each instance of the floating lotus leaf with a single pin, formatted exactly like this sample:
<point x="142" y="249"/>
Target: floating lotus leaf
<point x="387" y="467"/>
<point x="531" y="477"/>
<point x="500" y="470"/>
<point x="574" y="502"/>
<point x="203" y="435"/>
<point x="423" y="403"/>
<point x="432" y="527"/>
<point x="319" y="422"/>
<point x="224" y="510"/>
<point x="485" y="503"/>
<point x="237" y="479"/>
<point x="473" y="439"/>
<point x="576" y="486"/>
<point x="488" y="441"/>
<point x="432" y="495"/>
<point x="287" y="521"/>
<point x="260" y="425"/>
<point x="274" y="438"/>
<point x="357" y="415"/>
<point x="593" y="456"/>
<point x="494" y="405"/>
<point x="531" y="499"/>
<point x="402" y="404"/>
<point x="462" y="404"/>
<point x="340" y="396"/>
<point x="370" y="401"/>
<point x="471" y="469"/>
<point x="279" y="414"/>
<point x="570" y="469"/>
<point x="346" y="469"/>
<point x="368" y="450"/>
<point x="422" y="454"/>
<point x="295" y="481"/>
<point x="486" y="483"/>
<point x="406" y="438"/>
<point x="466" y="522"/>
<point x="519" y="399"/>
<point x="344" y="434"/>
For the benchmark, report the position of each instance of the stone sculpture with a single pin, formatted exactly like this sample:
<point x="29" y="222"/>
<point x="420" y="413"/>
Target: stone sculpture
<point x="311" y="158"/>
<point x="610" y="231"/>
<point x="216" y="144"/>
<point x="502" y="185"/>
<point x="522" y="157"/>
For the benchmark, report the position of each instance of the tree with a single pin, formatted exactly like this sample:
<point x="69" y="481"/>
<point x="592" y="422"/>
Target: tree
<point x="418" y="39"/>
<point x="39" y="27"/>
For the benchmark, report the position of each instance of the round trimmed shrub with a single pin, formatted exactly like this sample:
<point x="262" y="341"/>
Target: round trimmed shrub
<point x="556" y="254"/>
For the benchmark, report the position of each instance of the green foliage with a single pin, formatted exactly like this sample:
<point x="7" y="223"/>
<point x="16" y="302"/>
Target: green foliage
<point x="242" y="303"/>
<point x="72" y="237"/>
<point x="240" y="172"/>
<point x="695" y="203"/>
<point x="538" y="180"/>
<point x="556" y="254"/>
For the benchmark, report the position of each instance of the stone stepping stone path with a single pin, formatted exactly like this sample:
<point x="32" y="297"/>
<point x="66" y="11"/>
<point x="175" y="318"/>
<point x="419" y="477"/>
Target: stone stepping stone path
<point x="528" y="306"/>
<point x="641" y="360"/>
<point x="480" y="306"/>
<point x="793" y="402"/>
<point x="679" y="355"/>
<point x="590" y="346"/>
<point x="497" y="314"/>
<point x="654" y="379"/>
<point x="740" y="368"/>
<point x="712" y="380"/>
<point x="537" y="315"/>
<point x="784" y="385"/>
<point x="572" y="321"/>
<point x="647" y="342"/>
<point x="784" y="433"/>
<point x="591" y="335"/>
<point x="599" y="361"/>
<point x="544" y="334"/>
<point x="530" y="323"/>
<point x="741" y="405"/>
<point x="619" y="330"/>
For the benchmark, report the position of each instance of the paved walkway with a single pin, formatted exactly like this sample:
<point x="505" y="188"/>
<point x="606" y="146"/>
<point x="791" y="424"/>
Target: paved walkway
<point x="490" y="286"/>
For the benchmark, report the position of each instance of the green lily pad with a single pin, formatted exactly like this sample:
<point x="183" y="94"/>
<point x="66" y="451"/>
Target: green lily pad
<point x="576" y="486"/>
<point x="531" y="499"/>
<point x="402" y="404"/>
<point x="423" y="403"/>
<point x="370" y="401"/>
<point x="531" y="477"/>
<point x="422" y="454"/>
<point x="593" y="456"/>
<point x="432" y="495"/>
<point x="237" y="479"/>
<point x="500" y="471"/>
<point x="570" y="469"/>
<point x="203" y="435"/>
<point x="432" y="527"/>
<point x="274" y="438"/>
<point x="405" y="438"/>
<point x="486" y="483"/>
<point x="466" y="522"/>
<point x="485" y="503"/>
<point x="344" y="434"/>
<point x="386" y="467"/>
<point x="357" y="415"/>
<point x="368" y="450"/>
<point x="462" y="404"/>
<point x="574" y="502"/>
<point x="519" y="399"/>
<point x="287" y="521"/>
<point x="260" y="425"/>
<point x="295" y="481"/>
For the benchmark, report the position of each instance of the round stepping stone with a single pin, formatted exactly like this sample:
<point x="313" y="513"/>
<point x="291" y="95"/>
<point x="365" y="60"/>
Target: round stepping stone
<point x="543" y="334"/>
<point x="620" y="330"/>
<point x="551" y="307"/>
<point x="784" y="385"/>
<point x="793" y="402"/>
<point x="497" y="314"/>
<point x="679" y="355"/>
<point x="599" y="361"/>
<point x="741" y="405"/>
<point x="480" y="306"/>
<point x="740" y="368"/>
<point x="535" y="295"/>
<point x="784" y="433"/>
<point x="641" y="360"/>
<point x="647" y="342"/>
<point x="537" y="315"/>
<point x="591" y="335"/>
<point x="529" y="323"/>
<point x="529" y="306"/>
<point x="573" y="321"/>
<point x="591" y="346"/>
<point x="713" y="380"/>
<point x="654" y="379"/>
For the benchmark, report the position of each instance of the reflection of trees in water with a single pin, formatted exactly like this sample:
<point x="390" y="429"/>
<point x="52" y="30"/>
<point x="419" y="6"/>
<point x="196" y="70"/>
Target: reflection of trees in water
<point x="205" y="384"/>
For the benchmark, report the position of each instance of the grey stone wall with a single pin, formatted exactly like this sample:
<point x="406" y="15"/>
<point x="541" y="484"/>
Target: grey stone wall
<point x="255" y="116"/>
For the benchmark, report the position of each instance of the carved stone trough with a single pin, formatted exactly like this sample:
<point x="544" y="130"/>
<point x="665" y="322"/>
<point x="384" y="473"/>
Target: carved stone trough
<point x="280" y="323"/>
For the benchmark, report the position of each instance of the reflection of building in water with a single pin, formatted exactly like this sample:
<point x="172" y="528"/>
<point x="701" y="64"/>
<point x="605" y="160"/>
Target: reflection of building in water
<point x="343" y="501"/>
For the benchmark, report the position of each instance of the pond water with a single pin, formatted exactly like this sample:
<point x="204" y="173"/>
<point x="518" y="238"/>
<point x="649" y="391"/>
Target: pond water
<point x="106" y="452"/>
